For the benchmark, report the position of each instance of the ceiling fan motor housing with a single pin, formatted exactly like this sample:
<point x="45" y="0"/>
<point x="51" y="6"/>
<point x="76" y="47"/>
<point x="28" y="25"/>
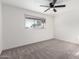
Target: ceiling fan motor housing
<point x="51" y="5"/>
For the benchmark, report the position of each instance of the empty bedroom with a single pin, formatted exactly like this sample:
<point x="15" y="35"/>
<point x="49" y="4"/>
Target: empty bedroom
<point x="39" y="29"/>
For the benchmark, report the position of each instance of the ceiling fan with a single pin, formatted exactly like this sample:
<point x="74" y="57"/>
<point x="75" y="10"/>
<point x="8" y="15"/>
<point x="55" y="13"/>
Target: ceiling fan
<point x="52" y="5"/>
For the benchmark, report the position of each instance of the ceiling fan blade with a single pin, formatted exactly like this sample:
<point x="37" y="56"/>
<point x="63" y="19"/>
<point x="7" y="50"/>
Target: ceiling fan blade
<point x="54" y="1"/>
<point x="47" y="9"/>
<point x="54" y="10"/>
<point x="43" y="6"/>
<point x="60" y="6"/>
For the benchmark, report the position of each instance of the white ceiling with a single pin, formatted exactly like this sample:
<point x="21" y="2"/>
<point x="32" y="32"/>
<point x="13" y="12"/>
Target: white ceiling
<point x="34" y="5"/>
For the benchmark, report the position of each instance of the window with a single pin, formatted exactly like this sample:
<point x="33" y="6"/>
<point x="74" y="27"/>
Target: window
<point x="34" y="22"/>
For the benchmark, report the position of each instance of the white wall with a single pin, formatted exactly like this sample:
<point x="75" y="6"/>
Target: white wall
<point x="14" y="33"/>
<point x="67" y="23"/>
<point x="0" y="27"/>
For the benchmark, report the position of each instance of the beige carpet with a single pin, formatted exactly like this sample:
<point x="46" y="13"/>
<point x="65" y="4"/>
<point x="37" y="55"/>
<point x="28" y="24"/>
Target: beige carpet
<point x="50" y="49"/>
